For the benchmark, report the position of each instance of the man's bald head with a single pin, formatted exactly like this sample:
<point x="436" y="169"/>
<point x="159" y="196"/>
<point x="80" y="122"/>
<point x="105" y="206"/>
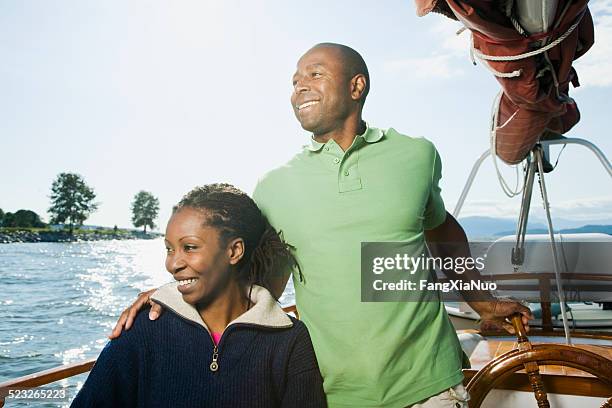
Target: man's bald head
<point x="352" y="62"/>
<point x="329" y="89"/>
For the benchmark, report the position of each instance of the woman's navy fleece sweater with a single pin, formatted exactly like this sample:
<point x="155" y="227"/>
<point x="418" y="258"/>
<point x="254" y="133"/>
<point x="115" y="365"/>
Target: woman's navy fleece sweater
<point x="166" y="363"/>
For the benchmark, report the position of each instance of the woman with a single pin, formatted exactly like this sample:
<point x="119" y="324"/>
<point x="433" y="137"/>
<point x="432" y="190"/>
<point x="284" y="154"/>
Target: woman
<point x="226" y="342"/>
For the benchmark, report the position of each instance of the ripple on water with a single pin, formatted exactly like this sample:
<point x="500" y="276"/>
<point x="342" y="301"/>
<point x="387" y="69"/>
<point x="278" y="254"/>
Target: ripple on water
<point x="57" y="300"/>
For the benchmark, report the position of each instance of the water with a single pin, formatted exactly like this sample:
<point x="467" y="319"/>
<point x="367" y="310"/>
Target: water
<point x="59" y="301"/>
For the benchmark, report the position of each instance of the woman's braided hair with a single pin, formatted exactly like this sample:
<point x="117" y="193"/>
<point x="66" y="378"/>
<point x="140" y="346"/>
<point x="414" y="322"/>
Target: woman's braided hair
<point x="235" y="215"/>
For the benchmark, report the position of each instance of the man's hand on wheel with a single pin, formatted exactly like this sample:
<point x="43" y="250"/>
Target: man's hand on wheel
<point x="496" y="315"/>
<point x="127" y="317"/>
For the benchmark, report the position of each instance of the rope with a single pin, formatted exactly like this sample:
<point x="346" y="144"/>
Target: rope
<point x="517" y="26"/>
<point x="484" y="57"/>
<point x="527" y="54"/>
<point x="498" y="74"/>
<point x="559" y="156"/>
<point x="508" y="191"/>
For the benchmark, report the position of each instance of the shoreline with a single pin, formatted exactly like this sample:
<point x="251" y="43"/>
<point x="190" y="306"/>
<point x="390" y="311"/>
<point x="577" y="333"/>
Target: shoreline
<point x="23" y="236"/>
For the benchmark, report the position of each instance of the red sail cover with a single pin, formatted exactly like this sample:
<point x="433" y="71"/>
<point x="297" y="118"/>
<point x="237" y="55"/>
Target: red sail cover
<point x="536" y="100"/>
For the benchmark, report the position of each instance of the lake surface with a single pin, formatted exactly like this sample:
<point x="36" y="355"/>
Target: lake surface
<point x="59" y="301"/>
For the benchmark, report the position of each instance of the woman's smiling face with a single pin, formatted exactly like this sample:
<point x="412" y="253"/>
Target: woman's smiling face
<point x="196" y="257"/>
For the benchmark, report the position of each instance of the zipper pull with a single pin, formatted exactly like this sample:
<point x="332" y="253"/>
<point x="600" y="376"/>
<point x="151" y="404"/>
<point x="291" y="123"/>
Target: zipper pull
<point x="214" y="366"/>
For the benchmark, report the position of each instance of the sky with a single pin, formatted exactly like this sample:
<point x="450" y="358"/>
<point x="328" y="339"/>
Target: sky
<point x="163" y="96"/>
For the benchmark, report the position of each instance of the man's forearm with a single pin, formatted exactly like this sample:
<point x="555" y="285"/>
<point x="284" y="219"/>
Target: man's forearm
<point x="448" y="240"/>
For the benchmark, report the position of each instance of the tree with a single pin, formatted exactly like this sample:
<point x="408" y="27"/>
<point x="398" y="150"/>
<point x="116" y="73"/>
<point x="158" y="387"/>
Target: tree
<point x="8" y="220"/>
<point x="23" y="219"/>
<point x="144" y="210"/>
<point x="71" y="200"/>
<point x="1" y="216"/>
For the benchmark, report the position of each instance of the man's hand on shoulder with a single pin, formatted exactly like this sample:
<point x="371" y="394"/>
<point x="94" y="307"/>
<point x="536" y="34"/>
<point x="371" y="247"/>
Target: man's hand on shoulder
<point x="496" y="314"/>
<point x="127" y="317"/>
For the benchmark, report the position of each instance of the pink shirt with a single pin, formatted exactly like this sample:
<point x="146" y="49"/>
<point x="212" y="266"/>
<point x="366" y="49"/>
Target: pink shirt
<point x="216" y="337"/>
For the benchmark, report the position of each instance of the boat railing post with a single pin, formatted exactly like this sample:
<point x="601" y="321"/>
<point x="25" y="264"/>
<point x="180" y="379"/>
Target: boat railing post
<point x="537" y="154"/>
<point x="468" y="184"/>
<point x="518" y="252"/>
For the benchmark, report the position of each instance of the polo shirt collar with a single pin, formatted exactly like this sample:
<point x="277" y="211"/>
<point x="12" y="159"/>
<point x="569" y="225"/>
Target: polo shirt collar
<point x="371" y="135"/>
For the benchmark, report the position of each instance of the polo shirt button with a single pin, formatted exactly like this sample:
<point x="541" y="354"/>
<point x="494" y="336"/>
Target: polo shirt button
<point x="346" y="173"/>
<point x="336" y="160"/>
<point x="327" y="148"/>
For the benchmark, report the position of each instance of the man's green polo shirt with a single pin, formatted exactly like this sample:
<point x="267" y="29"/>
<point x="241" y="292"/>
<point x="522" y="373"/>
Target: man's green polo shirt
<point x="326" y="202"/>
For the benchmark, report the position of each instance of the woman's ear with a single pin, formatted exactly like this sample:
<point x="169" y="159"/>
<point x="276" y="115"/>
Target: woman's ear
<point x="235" y="250"/>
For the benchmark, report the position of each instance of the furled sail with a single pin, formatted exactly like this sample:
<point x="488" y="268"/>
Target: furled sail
<point x="529" y="45"/>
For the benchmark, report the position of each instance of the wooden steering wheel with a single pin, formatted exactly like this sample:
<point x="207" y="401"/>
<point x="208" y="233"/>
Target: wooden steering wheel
<point x="529" y="357"/>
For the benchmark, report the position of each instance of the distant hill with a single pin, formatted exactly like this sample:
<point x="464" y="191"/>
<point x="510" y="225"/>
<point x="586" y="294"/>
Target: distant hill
<point x="490" y="227"/>
<point x="602" y="229"/>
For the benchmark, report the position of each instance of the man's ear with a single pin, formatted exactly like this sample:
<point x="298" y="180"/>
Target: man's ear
<point x="358" y="86"/>
<point x="235" y="250"/>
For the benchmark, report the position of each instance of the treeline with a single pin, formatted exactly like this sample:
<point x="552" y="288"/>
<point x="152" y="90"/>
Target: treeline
<point x="73" y="201"/>
<point x="21" y="219"/>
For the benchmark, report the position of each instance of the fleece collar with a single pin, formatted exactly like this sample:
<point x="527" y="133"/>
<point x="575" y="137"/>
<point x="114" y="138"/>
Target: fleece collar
<point x="265" y="312"/>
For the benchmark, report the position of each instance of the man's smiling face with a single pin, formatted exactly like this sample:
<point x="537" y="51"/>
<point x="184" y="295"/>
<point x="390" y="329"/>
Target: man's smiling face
<point x="321" y="97"/>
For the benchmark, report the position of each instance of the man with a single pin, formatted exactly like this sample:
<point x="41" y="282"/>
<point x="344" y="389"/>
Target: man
<point x="355" y="183"/>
